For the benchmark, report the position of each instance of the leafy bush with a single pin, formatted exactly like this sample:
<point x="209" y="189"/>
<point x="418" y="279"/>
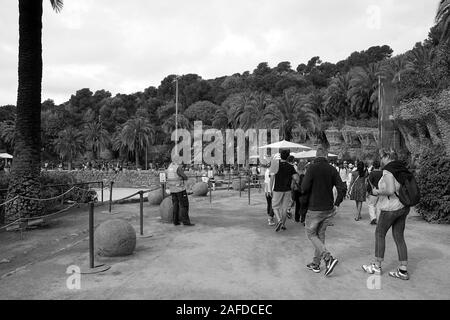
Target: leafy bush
<point x="434" y="183"/>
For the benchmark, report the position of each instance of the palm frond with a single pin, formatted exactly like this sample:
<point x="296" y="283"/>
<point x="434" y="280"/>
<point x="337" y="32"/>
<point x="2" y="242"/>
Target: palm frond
<point x="57" y="5"/>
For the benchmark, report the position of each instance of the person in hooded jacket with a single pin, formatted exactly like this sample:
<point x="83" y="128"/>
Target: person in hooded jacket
<point x="393" y="214"/>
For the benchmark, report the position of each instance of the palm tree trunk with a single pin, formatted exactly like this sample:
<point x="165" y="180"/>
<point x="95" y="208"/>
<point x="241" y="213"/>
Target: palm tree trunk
<point x="136" y="153"/>
<point x="25" y="169"/>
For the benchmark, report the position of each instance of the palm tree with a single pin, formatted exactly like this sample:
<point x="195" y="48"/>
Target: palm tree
<point x="169" y="124"/>
<point x="336" y="96"/>
<point x="69" y="144"/>
<point x="25" y="170"/>
<point x="443" y="19"/>
<point x="251" y="115"/>
<point x="7" y="130"/>
<point x="96" y="137"/>
<point x="289" y="113"/>
<point x="134" y="136"/>
<point x="235" y="104"/>
<point x="363" y="91"/>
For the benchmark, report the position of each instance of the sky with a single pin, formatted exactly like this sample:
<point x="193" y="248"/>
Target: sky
<point x="127" y="46"/>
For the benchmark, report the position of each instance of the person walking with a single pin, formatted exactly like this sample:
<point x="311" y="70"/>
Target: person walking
<point x="268" y="192"/>
<point x="281" y="181"/>
<point x="372" y="181"/>
<point x="176" y="188"/>
<point x="318" y="183"/>
<point x="393" y="214"/>
<point x="358" y="189"/>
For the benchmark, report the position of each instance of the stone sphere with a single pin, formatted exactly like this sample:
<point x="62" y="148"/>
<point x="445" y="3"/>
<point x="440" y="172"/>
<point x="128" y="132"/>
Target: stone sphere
<point x="239" y="185"/>
<point x="114" y="238"/>
<point x="200" y="189"/>
<point x="166" y="210"/>
<point x="155" y="197"/>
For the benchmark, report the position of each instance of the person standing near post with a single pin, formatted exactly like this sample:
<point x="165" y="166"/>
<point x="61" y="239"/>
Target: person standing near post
<point x="281" y="182"/>
<point x="176" y="187"/>
<point x="318" y="182"/>
<point x="372" y="181"/>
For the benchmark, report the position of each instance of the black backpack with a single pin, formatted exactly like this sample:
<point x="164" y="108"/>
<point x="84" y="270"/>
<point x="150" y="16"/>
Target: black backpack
<point x="409" y="193"/>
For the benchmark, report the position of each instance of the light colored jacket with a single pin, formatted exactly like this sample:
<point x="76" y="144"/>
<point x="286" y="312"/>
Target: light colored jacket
<point x="389" y="203"/>
<point x="174" y="182"/>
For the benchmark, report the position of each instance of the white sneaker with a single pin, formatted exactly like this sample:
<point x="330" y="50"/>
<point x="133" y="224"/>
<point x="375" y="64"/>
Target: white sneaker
<point x="271" y="222"/>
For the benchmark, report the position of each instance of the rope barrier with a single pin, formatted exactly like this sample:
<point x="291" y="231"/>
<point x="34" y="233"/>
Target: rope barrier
<point x="8" y="225"/>
<point x="10" y="200"/>
<point x="49" y="199"/>
<point x="51" y="214"/>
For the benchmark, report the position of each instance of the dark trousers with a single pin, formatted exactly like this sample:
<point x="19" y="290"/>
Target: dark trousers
<point x="269" y="206"/>
<point x="180" y="207"/>
<point x="396" y="220"/>
<point x="300" y="208"/>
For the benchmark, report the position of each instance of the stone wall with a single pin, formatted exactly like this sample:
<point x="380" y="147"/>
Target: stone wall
<point x="424" y="123"/>
<point x="357" y="142"/>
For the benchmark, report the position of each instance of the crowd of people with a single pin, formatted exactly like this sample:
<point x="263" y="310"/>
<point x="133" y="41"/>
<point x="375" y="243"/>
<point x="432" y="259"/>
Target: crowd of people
<point x="317" y="189"/>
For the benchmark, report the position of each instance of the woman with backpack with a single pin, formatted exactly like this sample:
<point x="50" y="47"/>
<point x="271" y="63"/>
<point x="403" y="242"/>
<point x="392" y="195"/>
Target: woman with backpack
<point x="393" y="212"/>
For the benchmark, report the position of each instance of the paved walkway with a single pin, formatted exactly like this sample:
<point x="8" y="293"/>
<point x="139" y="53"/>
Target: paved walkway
<point x="230" y="254"/>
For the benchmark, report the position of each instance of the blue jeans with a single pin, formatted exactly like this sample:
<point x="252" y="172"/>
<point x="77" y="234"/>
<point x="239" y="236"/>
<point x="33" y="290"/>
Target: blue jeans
<point x="316" y="224"/>
<point x="396" y="220"/>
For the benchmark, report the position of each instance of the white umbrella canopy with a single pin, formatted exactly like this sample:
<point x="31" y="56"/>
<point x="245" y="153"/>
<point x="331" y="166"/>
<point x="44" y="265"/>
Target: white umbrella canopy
<point x="5" y="156"/>
<point x="285" y="145"/>
<point x="310" y="154"/>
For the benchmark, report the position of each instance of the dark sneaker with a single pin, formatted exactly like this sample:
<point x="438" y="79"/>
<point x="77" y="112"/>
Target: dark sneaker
<point x="373" y="222"/>
<point x="278" y="227"/>
<point x="188" y="224"/>
<point x="313" y="267"/>
<point x="331" y="264"/>
<point x="283" y="228"/>
<point x="176" y="223"/>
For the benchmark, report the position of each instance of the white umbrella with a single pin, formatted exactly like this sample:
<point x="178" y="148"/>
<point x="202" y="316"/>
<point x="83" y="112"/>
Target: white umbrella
<point x="5" y="156"/>
<point x="285" y="145"/>
<point x="310" y="154"/>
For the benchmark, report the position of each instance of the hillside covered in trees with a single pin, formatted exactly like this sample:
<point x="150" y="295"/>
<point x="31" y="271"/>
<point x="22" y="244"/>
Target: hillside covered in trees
<point x="305" y="99"/>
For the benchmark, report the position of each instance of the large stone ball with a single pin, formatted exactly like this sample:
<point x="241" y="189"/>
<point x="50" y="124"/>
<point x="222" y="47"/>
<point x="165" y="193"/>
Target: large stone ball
<point x="114" y="238"/>
<point x="239" y="185"/>
<point x="200" y="189"/>
<point x="166" y="210"/>
<point x="155" y="197"/>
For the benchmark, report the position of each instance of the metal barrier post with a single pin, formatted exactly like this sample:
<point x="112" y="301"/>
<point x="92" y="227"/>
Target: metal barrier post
<point x="210" y="192"/>
<point x="91" y="235"/>
<point x="229" y="179"/>
<point x="141" y="195"/>
<point x="240" y="186"/>
<point x="110" y="196"/>
<point x="249" y="189"/>
<point x="102" y="190"/>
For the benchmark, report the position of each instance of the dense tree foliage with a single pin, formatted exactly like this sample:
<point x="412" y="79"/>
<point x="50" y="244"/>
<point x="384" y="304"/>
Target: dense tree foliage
<point x="299" y="100"/>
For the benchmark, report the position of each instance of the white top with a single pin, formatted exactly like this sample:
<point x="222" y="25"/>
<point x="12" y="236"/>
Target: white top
<point x="267" y="180"/>
<point x="391" y="203"/>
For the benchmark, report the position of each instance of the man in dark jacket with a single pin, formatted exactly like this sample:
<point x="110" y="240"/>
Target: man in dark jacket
<point x="318" y="183"/>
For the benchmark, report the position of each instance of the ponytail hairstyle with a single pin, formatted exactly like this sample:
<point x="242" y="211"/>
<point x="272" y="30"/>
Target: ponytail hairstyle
<point x="390" y="153"/>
